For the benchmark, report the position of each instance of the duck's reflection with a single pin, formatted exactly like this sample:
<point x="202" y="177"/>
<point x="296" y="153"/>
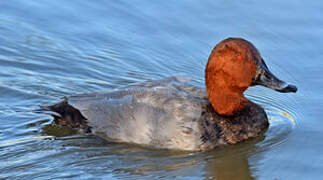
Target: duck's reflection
<point x="224" y="163"/>
<point x="232" y="162"/>
<point x="232" y="167"/>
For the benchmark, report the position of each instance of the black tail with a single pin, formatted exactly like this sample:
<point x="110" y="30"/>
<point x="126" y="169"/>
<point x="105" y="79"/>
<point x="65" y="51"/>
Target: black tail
<point x="66" y="115"/>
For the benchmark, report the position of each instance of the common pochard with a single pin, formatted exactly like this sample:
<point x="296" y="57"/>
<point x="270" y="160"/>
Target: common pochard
<point x="173" y="114"/>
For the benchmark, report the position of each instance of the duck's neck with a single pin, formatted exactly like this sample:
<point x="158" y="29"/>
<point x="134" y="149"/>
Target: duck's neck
<point x="227" y="103"/>
<point x="225" y="100"/>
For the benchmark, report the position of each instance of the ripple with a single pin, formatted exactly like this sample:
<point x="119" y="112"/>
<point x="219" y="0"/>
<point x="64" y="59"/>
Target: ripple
<point x="23" y="140"/>
<point x="282" y="114"/>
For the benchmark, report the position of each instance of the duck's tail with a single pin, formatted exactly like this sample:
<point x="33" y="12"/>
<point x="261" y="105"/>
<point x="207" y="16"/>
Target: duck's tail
<point x="66" y="115"/>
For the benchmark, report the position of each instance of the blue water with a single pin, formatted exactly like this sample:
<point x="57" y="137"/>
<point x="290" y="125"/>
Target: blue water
<point x="50" y="49"/>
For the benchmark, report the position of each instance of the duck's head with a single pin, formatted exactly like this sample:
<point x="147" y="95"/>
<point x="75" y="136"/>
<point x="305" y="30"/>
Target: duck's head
<point x="233" y="66"/>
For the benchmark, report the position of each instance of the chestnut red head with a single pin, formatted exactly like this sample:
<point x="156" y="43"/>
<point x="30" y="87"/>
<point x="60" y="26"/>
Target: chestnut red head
<point x="233" y="66"/>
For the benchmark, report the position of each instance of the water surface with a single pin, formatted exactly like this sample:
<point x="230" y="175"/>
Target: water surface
<point x="58" y="48"/>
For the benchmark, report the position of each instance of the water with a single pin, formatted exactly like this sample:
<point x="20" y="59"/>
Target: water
<point x="56" y="48"/>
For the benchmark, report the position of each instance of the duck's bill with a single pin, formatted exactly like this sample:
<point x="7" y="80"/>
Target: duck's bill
<point x="265" y="78"/>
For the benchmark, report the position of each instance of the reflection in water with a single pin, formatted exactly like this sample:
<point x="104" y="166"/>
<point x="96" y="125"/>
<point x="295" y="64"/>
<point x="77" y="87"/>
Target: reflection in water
<point x="229" y="162"/>
<point x="232" y="167"/>
<point x="232" y="162"/>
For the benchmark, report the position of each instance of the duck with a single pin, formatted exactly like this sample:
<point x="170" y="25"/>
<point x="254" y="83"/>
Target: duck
<point x="171" y="113"/>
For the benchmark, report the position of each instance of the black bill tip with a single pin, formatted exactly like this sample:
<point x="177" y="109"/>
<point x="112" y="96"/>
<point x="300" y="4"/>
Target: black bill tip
<point x="265" y="78"/>
<point x="288" y="88"/>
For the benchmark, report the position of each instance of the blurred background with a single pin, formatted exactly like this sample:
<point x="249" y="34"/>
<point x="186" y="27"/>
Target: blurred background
<point x="51" y="49"/>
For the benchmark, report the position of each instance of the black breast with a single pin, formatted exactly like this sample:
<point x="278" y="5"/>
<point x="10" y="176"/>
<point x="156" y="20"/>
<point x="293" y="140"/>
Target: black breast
<point x="218" y="130"/>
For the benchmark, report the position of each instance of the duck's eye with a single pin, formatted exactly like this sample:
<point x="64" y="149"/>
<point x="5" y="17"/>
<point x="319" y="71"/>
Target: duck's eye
<point x="239" y="57"/>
